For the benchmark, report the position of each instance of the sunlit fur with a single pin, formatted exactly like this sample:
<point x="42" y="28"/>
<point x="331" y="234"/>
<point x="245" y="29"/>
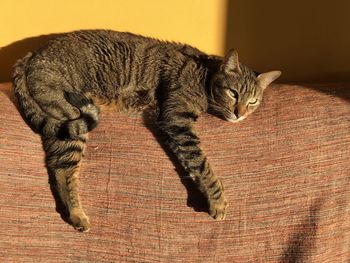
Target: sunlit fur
<point x="62" y="88"/>
<point x="248" y="94"/>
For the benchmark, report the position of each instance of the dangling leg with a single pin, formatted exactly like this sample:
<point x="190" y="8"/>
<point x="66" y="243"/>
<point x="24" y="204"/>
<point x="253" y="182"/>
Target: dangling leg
<point x="176" y="119"/>
<point x="63" y="158"/>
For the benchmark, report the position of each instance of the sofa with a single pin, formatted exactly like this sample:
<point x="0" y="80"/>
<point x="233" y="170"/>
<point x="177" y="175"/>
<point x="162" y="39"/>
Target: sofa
<point x="286" y="172"/>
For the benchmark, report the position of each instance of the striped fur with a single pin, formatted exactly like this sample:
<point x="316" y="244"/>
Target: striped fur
<point x="66" y="123"/>
<point x="63" y="158"/>
<point x="62" y="87"/>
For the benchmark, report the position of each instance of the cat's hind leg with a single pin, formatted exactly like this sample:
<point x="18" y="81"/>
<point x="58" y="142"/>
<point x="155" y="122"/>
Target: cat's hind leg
<point x="63" y="159"/>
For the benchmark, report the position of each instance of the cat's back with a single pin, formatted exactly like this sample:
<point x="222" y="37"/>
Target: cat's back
<point x="91" y="44"/>
<point x="103" y="60"/>
<point x="93" y="55"/>
<point x="98" y="37"/>
<point x="108" y="47"/>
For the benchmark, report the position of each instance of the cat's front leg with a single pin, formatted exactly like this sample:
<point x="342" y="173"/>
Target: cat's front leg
<point x="181" y="139"/>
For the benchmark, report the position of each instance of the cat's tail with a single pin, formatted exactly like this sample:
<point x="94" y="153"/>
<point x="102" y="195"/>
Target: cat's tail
<point x="88" y="119"/>
<point x="40" y="121"/>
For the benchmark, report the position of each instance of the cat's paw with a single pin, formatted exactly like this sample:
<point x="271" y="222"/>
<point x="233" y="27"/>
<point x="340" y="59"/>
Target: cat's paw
<point x="217" y="208"/>
<point x="79" y="220"/>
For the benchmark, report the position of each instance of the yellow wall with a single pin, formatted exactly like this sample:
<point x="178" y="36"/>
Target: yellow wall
<point x="197" y="22"/>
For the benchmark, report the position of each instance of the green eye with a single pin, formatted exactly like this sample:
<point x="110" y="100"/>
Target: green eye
<point x="253" y="102"/>
<point x="233" y="93"/>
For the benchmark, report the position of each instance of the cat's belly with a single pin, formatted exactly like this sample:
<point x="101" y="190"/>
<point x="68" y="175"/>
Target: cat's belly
<point x="126" y="100"/>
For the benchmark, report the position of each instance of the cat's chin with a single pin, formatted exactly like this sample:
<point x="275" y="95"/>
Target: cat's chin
<point x="232" y="118"/>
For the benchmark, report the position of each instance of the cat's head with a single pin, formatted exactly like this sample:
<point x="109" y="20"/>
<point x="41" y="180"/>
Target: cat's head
<point x="235" y="90"/>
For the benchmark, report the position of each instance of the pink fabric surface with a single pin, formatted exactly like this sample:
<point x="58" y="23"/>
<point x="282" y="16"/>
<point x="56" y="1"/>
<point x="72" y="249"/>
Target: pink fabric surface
<point x="286" y="171"/>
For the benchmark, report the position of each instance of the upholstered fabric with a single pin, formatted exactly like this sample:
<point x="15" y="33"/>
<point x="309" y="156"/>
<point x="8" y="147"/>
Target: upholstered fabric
<point x="286" y="171"/>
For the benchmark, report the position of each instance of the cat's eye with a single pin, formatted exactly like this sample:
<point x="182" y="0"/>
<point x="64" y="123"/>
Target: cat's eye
<point x="253" y="102"/>
<point x="233" y="93"/>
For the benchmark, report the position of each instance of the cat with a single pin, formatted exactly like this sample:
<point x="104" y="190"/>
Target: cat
<point x="62" y="87"/>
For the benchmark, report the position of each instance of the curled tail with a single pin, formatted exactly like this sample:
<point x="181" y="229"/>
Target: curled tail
<point x="88" y="119"/>
<point x="43" y="123"/>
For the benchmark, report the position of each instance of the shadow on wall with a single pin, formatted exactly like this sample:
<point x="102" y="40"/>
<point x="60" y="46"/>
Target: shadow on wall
<point x="11" y="53"/>
<point x="308" y="40"/>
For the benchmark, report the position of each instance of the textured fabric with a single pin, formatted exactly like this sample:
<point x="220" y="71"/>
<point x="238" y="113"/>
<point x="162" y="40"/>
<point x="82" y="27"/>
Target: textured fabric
<point x="286" y="171"/>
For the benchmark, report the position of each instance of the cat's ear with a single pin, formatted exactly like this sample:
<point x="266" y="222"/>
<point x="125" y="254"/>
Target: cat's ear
<point x="231" y="64"/>
<point x="265" y="79"/>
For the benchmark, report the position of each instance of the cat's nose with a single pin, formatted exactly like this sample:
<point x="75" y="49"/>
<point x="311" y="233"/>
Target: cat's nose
<point x="240" y="110"/>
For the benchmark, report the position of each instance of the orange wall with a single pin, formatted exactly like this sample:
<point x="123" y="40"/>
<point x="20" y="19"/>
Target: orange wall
<point x="197" y="22"/>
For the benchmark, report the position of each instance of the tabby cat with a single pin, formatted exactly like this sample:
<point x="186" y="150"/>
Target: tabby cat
<point x="62" y="87"/>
